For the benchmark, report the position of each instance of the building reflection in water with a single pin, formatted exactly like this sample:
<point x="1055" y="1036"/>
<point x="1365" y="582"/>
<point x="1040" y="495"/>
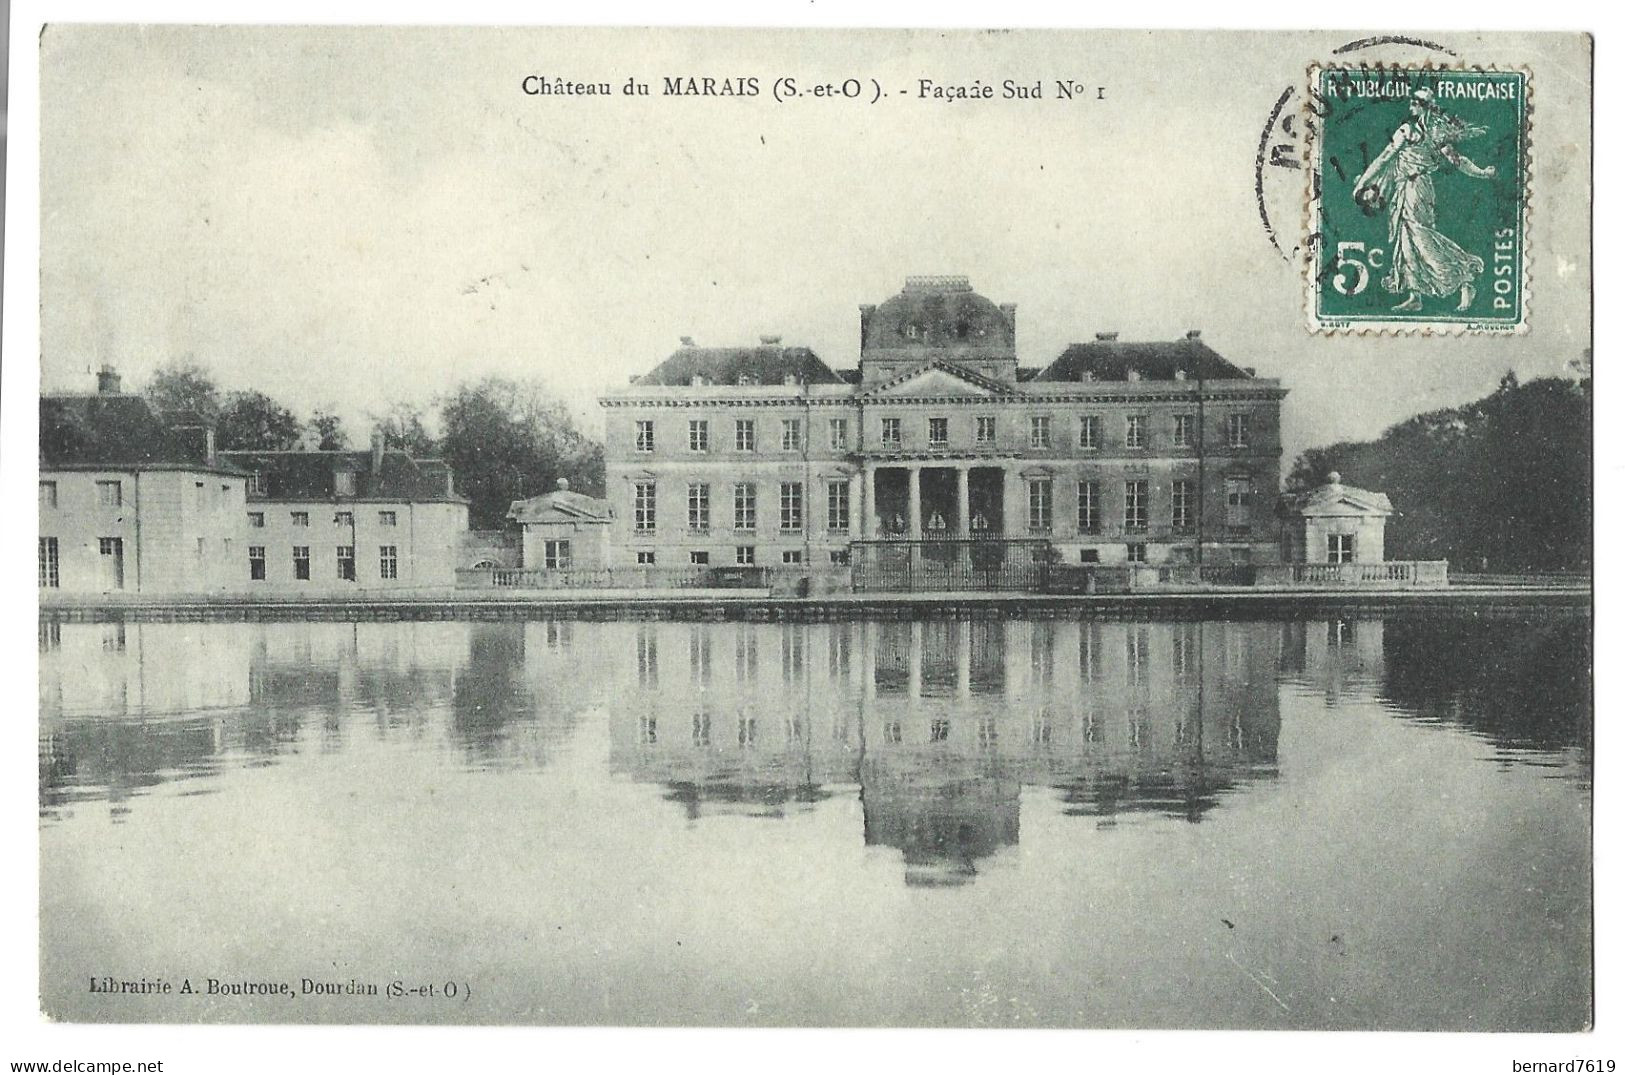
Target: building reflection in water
<point x="942" y="723"/>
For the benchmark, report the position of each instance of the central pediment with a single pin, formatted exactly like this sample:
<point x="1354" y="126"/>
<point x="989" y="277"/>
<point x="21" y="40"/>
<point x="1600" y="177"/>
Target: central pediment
<point x="940" y="379"/>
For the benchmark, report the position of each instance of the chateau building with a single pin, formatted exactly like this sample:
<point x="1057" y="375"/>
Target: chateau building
<point x="942" y="448"/>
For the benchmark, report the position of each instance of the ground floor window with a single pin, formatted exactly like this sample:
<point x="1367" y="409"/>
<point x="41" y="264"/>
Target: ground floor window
<point x="346" y="560"/>
<point x="301" y="562"/>
<point x="1241" y="554"/>
<point x="112" y="562"/>
<point x="256" y="563"/>
<point x="646" y="558"/>
<point x="387" y="561"/>
<point x="840" y="557"/>
<point x="699" y="557"/>
<point x="556" y="554"/>
<point x="1136" y="552"/>
<point x="744" y="555"/>
<point x="50" y="576"/>
<point x="1040" y="501"/>
<point x="792" y="556"/>
<point x="1089" y="556"/>
<point x="1340" y="548"/>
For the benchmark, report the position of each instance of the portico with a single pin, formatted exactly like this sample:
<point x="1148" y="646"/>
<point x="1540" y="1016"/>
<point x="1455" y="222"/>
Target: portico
<point x="925" y="500"/>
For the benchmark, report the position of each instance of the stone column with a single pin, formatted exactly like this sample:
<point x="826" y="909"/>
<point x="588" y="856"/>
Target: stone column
<point x="963" y="526"/>
<point x="855" y="507"/>
<point x="914" y="533"/>
<point x="870" y="527"/>
<point x="1015" y="513"/>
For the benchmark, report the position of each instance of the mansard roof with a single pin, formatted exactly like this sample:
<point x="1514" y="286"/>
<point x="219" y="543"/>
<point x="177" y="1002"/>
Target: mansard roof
<point x="310" y="475"/>
<point x="113" y="429"/>
<point x="937" y="313"/>
<point x="768" y="364"/>
<point x="1114" y="360"/>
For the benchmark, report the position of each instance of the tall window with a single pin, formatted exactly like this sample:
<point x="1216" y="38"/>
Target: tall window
<point x="1040" y="504"/>
<point x="256" y="563"/>
<point x="789" y="505"/>
<point x="301" y="562"/>
<point x="1134" y="431"/>
<point x="1339" y="548"/>
<point x="699" y="435"/>
<point x="112" y="558"/>
<point x="1238" y="501"/>
<point x="840" y="507"/>
<point x="1182" y="505"/>
<point x="346" y="561"/>
<point x="1038" y="431"/>
<point x="745" y="434"/>
<point x="1184" y="425"/>
<point x="699" y="507"/>
<point x="556" y="554"/>
<point x="643" y="507"/>
<point x="387" y="561"/>
<point x="1236" y="430"/>
<point x="50" y="575"/>
<point x="47" y="494"/>
<point x="1089" y="507"/>
<point x="1135" y="495"/>
<point x="110" y="494"/>
<point x="744" y="506"/>
<point x="790" y="434"/>
<point x="891" y="431"/>
<point x="645" y="435"/>
<point x="937" y="430"/>
<point x="837" y="434"/>
<point x="1089" y="432"/>
<point x="744" y="555"/>
<point x="986" y="429"/>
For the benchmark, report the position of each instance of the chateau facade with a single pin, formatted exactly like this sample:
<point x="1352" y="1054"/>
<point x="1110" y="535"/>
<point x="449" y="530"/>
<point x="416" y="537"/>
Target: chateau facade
<point x="940" y="445"/>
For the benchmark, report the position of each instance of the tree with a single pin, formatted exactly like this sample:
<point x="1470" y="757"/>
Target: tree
<point x="403" y="428"/>
<point x="508" y="439"/>
<point x="329" y="430"/>
<point x="184" y="388"/>
<point x="253" y="421"/>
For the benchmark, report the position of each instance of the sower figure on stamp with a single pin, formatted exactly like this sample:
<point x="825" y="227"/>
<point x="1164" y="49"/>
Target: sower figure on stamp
<point x="1422" y="260"/>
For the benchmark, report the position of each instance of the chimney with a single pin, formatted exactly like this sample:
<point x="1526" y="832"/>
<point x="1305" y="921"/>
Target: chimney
<point x="1008" y="309"/>
<point x="864" y="313"/>
<point x="377" y="451"/>
<point x="1106" y="337"/>
<point x="688" y="341"/>
<point x="771" y="341"/>
<point x="1194" y="334"/>
<point x="108" y="382"/>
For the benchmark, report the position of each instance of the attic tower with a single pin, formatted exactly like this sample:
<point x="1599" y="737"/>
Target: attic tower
<point x="938" y="318"/>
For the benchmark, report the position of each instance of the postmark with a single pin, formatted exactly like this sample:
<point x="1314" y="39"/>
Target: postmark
<point x="1417" y="206"/>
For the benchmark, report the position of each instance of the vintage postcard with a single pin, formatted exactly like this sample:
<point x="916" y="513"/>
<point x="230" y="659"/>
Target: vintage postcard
<point x="815" y="528"/>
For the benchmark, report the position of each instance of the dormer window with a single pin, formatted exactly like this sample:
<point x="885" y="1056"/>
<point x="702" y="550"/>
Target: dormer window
<point x="344" y="483"/>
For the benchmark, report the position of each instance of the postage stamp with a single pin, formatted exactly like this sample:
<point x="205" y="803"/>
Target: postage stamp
<point x="1417" y="206"/>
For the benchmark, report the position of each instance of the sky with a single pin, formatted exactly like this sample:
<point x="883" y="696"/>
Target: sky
<point x="349" y="217"/>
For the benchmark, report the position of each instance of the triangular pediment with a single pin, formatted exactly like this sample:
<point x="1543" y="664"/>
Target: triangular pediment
<point x="939" y="379"/>
<point x="1345" y="504"/>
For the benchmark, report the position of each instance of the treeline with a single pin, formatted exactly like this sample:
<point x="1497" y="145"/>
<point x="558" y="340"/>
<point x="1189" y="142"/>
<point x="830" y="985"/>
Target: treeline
<point x="504" y="439"/>
<point x="1502" y="484"/>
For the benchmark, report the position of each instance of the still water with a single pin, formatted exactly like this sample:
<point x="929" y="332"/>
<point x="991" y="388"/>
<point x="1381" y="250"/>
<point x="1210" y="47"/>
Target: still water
<point x="1352" y="823"/>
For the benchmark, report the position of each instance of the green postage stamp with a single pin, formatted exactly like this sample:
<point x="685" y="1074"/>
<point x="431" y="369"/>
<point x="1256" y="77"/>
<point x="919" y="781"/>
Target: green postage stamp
<point x="1418" y="199"/>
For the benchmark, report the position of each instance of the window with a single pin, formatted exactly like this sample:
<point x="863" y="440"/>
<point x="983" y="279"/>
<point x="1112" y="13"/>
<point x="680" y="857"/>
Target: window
<point x="301" y="561"/>
<point x="790" y="434"/>
<point x="256" y="483"/>
<point x="1183" y="425"/>
<point x="112" y="560"/>
<point x="789" y="506"/>
<point x="699" y="435"/>
<point x="110" y="494"/>
<point x="1040" y="501"/>
<point x="937" y="431"/>
<point x="256" y="563"/>
<point x="1238" y="500"/>
<point x="1135" y="496"/>
<point x="1339" y="548"/>
<point x="986" y="429"/>
<point x="1038" y="431"/>
<point x="699" y="507"/>
<point x="1089" y="507"/>
<point x="744" y="555"/>
<point x="840" y="557"/>
<point x="840" y="506"/>
<point x="699" y="557"/>
<point x="346" y="561"/>
<point x="1136" y="552"/>
<point x="197" y="495"/>
<point x="556" y="554"/>
<point x="939" y="731"/>
<point x="386" y="518"/>
<point x="837" y="434"/>
<point x="200" y="550"/>
<point x="791" y="556"/>
<point x="891" y="431"/>
<point x="47" y="494"/>
<point x="645" y="435"/>
<point x="344" y="483"/>
<point x="1236" y="430"/>
<point x="256" y="520"/>
<point x="344" y="518"/>
<point x="299" y="518"/>
<point x="1089" y="432"/>
<point x="744" y="506"/>
<point x="646" y="558"/>
<point x="1134" y="431"/>
<point x="745" y="434"/>
<point x="643" y="507"/>
<point x="1182" y="505"/>
<point x="50" y="576"/>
